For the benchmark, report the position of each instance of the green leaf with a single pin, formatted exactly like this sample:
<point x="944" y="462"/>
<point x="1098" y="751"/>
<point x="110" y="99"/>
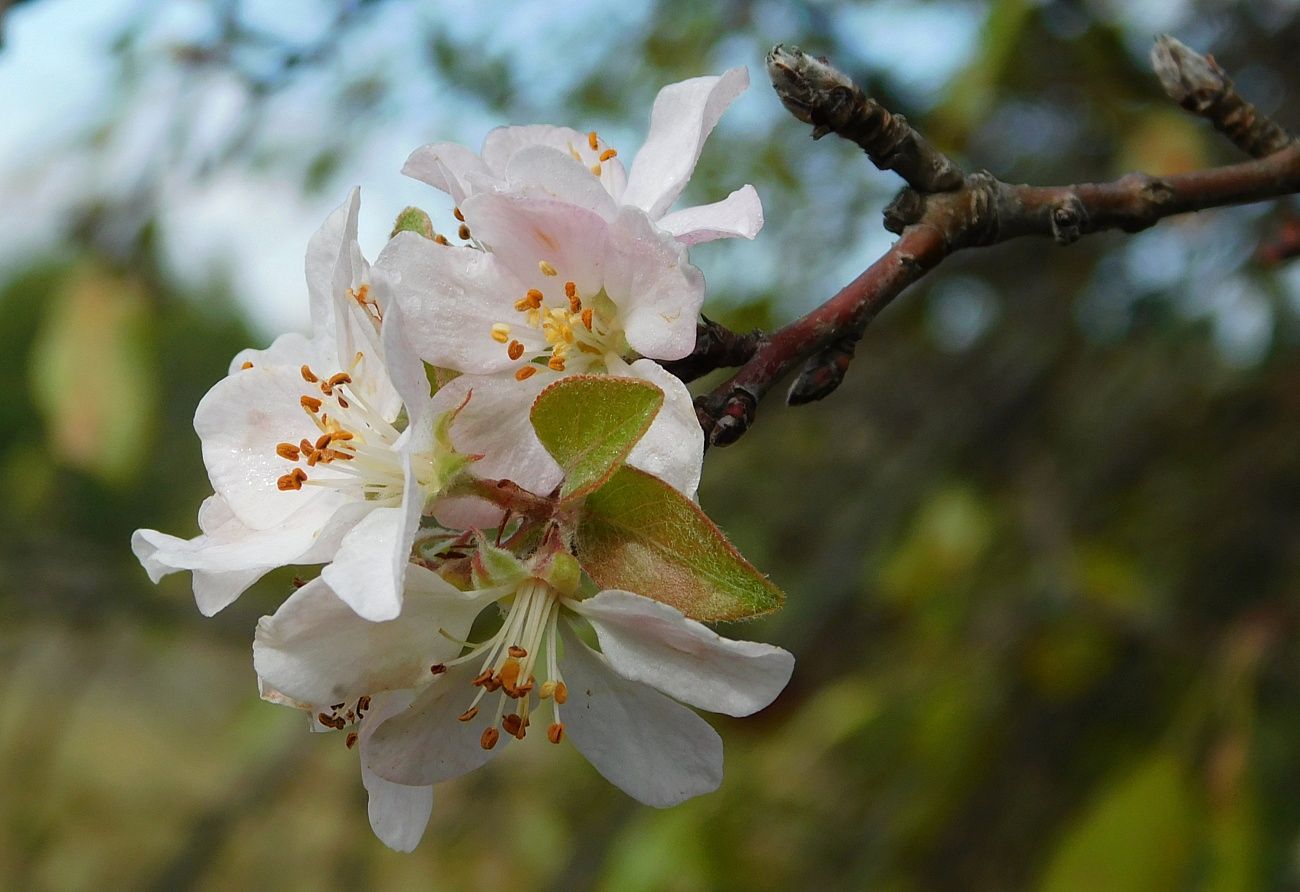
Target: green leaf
<point x="638" y="533"/>
<point x="1140" y="834"/>
<point x="589" y="423"/>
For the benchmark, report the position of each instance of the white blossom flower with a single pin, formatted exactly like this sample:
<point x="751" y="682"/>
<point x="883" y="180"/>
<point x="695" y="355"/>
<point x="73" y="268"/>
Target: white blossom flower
<point x="621" y="706"/>
<point x="560" y="290"/>
<point x="560" y="162"/>
<point x="320" y="449"/>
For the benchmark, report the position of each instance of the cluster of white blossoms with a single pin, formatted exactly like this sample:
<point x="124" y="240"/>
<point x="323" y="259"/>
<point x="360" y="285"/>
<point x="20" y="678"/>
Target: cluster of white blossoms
<point x="478" y="439"/>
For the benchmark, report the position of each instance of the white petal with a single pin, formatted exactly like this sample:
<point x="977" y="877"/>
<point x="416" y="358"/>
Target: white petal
<point x="523" y="231"/>
<point x="495" y="424"/>
<point x="398" y="814"/>
<point x="683" y="116"/>
<point x="405" y="368"/>
<point x="543" y="172"/>
<point x="444" y="166"/>
<point x="739" y="214"/>
<point x="450" y="299"/>
<point x="214" y="592"/>
<point x="322" y="262"/>
<point x="316" y="649"/>
<point x="369" y="571"/>
<point x="673" y="448"/>
<point x="650" y="642"/>
<point x="657" y="291"/>
<point x="425" y="743"/>
<point x="292" y="349"/>
<point x="240" y="421"/>
<point x="655" y="750"/>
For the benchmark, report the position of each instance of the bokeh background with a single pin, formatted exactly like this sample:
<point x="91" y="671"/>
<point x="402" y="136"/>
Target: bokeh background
<point x="1041" y="548"/>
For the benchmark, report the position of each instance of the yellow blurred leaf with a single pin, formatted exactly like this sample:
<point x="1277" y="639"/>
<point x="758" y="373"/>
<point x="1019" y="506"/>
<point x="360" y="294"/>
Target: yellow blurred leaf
<point x="92" y="373"/>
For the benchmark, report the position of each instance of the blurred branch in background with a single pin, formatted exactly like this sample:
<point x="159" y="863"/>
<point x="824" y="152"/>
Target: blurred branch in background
<point x="1046" y="537"/>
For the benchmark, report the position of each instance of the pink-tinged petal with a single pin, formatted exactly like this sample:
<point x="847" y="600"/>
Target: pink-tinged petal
<point x="369" y="571"/>
<point x="673" y="448"/>
<point x="523" y="232"/>
<point x="445" y="166"/>
<point x="657" y="291"/>
<point x="240" y="421"/>
<point x="495" y="424"/>
<point x="426" y="743"/>
<point x="653" y="643"/>
<point x="398" y="814"/>
<point x="683" y="116"/>
<point x="323" y="259"/>
<point x="739" y="215"/>
<point x="316" y="649"/>
<point x="543" y="172"/>
<point x="450" y="299"/>
<point x="504" y="143"/>
<point x="404" y="367"/>
<point x="655" y="750"/>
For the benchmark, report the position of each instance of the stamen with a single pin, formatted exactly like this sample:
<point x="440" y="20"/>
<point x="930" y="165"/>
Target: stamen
<point x="455" y="212"/>
<point x="607" y="154"/>
<point x="555" y="733"/>
<point x="595" y="170"/>
<point x="500" y="332"/>
<point x="463" y="232"/>
<point x="441" y="240"/>
<point x="575" y="303"/>
<point x="308" y="375"/>
<point x="513" y="725"/>
<point x="288" y="450"/>
<point x="351" y="740"/>
<point x="586" y="318"/>
<point x="555" y="363"/>
<point x="310" y="403"/>
<point x="546" y="268"/>
<point x="323" y="440"/>
<point x="468" y="714"/>
<point x="547" y="691"/>
<point x="482" y="678"/>
<point x="561" y="693"/>
<point x="489" y="738"/>
<point x="340" y="378"/>
<point x="515" y="350"/>
<point x="291" y="481"/>
<point x="438" y="668"/>
<point x="247" y="365"/>
<point x="517" y="652"/>
<point x="525" y="373"/>
<point x="593" y="140"/>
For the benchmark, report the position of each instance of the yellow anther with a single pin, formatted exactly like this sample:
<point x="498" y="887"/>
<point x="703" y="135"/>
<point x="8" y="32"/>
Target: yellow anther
<point x="288" y="450"/>
<point x="308" y="375"/>
<point x="595" y="170"/>
<point x="593" y="140"/>
<point x="555" y="733"/>
<point x="546" y="268"/>
<point x="500" y="332"/>
<point x="509" y="674"/>
<point x="547" y="690"/>
<point x="515" y="350"/>
<point x="489" y="738"/>
<point x="525" y="373"/>
<point x="607" y="154"/>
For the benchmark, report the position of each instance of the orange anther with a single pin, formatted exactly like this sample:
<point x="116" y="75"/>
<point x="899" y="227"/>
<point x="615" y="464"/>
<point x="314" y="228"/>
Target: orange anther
<point x="555" y="733"/>
<point x="288" y="450"/>
<point x="607" y="154"/>
<point x="561" y="693"/>
<point x="310" y="403"/>
<point x="323" y="440"/>
<point x="489" y="738"/>
<point x="586" y="318"/>
<point x="467" y="714"/>
<point x="515" y="350"/>
<point x="463" y="232"/>
<point x="438" y="668"/>
<point x="517" y="652"/>
<point x="513" y="724"/>
<point x="308" y="375"/>
<point x="482" y="678"/>
<point x="351" y="739"/>
<point x="246" y="365"/>
<point x="575" y="304"/>
<point x="525" y="373"/>
<point x="570" y="290"/>
<point x="455" y="212"/>
<point x="555" y="363"/>
<point x="441" y="240"/>
<point x="340" y="378"/>
<point x="593" y="140"/>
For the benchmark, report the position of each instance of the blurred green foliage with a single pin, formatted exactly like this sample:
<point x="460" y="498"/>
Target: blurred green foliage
<point x="1041" y="548"/>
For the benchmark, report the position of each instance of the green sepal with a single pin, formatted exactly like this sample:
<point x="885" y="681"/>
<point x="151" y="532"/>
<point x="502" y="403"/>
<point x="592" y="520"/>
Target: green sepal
<point x="639" y="534"/>
<point x="589" y="424"/>
<point x="412" y="219"/>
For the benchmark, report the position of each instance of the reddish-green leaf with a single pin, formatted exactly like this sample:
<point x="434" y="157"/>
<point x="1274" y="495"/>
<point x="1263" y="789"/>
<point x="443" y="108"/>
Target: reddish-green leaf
<point x="639" y="534"/>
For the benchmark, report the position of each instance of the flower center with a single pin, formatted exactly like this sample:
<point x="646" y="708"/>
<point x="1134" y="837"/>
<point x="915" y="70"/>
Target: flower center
<point x="579" y="335"/>
<point x="511" y="661"/>
<point x="355" y="443"/>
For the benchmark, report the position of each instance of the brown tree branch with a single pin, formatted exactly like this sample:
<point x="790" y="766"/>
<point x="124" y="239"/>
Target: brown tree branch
<point x="934" y="221"/>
